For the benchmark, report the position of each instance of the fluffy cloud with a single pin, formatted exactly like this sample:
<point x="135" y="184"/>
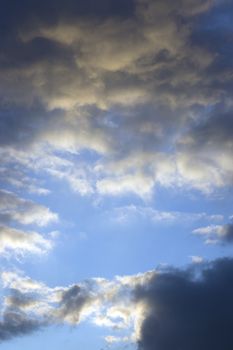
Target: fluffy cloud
<point x="204" y="157"/>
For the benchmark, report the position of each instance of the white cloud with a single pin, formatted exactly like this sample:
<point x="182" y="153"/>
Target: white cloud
<point x="196" y="259"/>
<point x="137" y="184"/>
<point x="216" y="233"/>
<point x="113" y="339"/>
<point x="126" y="213"/>
<point x="207" y="230"/>
<point x="105" y="303"/>
<point x="19" y="242"/>
<point x="26" y="212"/>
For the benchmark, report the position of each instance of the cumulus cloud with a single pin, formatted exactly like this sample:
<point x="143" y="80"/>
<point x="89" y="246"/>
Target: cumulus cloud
<point x="116" y="98"/>
<point x="204" y="159"/>
<point x="105" y="303"/>
<point x="196" y="259"/>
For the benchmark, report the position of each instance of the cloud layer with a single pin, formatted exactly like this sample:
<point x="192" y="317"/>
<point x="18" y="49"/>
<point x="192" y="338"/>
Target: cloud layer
<point x="153" y="75"/>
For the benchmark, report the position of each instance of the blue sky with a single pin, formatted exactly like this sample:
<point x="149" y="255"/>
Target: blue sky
<point x="116" y="220"/>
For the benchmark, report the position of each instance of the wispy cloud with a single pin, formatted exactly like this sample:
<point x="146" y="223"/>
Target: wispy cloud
<point x="14" y="211"/>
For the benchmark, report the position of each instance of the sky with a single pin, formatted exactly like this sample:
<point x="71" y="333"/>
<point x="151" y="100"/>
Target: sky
<point x="116" y="172"/>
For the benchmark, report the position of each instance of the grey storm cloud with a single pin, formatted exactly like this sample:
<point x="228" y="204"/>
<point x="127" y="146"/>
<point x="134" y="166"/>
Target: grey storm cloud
<point x="204" y="152"/>
<point x="189" y="309"/>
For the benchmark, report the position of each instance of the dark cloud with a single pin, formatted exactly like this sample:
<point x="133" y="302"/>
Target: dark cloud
<point x="21" y="126"/>
<point x="189" y="309"/>
<point x="20" y="54"/>
<point x="73" y="301"/>
<point x="17" y="323"/>
<point x="215" y="131"/>
<point x="228" y="233"/>
<point x="209" y="143"/>
<point x="14" y="14"/>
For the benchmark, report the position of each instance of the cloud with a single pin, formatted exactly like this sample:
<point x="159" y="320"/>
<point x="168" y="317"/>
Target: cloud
<point x="117" y="98"/>
<point x="22" y="311"/>
<point x="188" y="311"/>
<point x="137" y="212"/>
<point x="18" y="179"/>
<point x="16" y="280"/>
<point x="74" y="300"/>
<point x="18" y="242"/>
<point x="16" y="323"/>
<point x="187" y="308"/>
<point x="196" y="259"/>
<point x="25" y="212"/>
<point x="19" y="211"/>
<point x="152" y="75"/>
<point x="216" y="233"/>
<point x="205" y="151"/>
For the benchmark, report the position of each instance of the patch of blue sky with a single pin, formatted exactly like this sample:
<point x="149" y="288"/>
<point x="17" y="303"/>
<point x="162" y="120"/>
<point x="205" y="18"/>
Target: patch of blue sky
<point x="60" y="338"/>
<point x="118" y="240"/>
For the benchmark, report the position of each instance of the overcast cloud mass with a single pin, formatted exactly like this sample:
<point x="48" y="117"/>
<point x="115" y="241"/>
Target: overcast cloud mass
<point x="116" y="123"/>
